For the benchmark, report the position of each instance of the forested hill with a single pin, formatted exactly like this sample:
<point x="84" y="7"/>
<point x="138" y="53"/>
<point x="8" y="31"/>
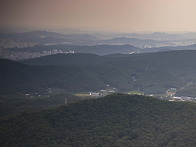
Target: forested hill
<point x="20" y="78"/>
<point x="115" y="120"/>
<point x="68" y="59"/>
<point x="169" y="59"/>
<point x="150" y="73"/>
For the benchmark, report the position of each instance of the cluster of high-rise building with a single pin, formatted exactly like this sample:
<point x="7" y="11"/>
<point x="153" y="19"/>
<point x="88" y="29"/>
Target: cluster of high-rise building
<point x="9" y="43"/>
<point x="28" y="55"/>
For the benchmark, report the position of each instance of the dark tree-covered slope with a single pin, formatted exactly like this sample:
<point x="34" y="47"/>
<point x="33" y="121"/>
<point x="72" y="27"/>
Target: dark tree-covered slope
<point x="67" y="59"/>
<point x="150" y="73"/>
<point x="17" y="77"/>
<point x="14" y="104"/>
<point x="116" y="120"/>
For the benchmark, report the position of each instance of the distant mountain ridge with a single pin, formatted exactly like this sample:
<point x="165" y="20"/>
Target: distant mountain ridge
<point x="45" y="34"/>
<point x="162" y="36"/>
<point x="131" y="41"/>
<point x="149" y="40"/>
<point x="147" y="43"/>
<point x="169" y="48"/>
<point x="44" y="37"/>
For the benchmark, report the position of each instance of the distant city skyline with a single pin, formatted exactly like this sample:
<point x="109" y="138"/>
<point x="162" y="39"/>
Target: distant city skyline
<point x="100" y="15"/>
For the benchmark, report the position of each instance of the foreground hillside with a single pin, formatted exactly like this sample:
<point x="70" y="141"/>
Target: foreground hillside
<point x="14" y="104"/>
<point x="116" y="120"/>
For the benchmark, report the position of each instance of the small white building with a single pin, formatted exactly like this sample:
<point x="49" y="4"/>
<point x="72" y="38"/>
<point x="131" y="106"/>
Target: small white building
<point x="94" y="94"/>
<point x="177" y="98"/>
<point x="111" y="91"/>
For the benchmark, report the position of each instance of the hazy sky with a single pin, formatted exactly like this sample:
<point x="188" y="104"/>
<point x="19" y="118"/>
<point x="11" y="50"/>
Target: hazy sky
<point x="101" y="15"/>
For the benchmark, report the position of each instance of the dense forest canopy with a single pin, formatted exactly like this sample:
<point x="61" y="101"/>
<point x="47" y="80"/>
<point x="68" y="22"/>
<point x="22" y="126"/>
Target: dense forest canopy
<point x="115" y="120"/>
<point x="150" y="73"/>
